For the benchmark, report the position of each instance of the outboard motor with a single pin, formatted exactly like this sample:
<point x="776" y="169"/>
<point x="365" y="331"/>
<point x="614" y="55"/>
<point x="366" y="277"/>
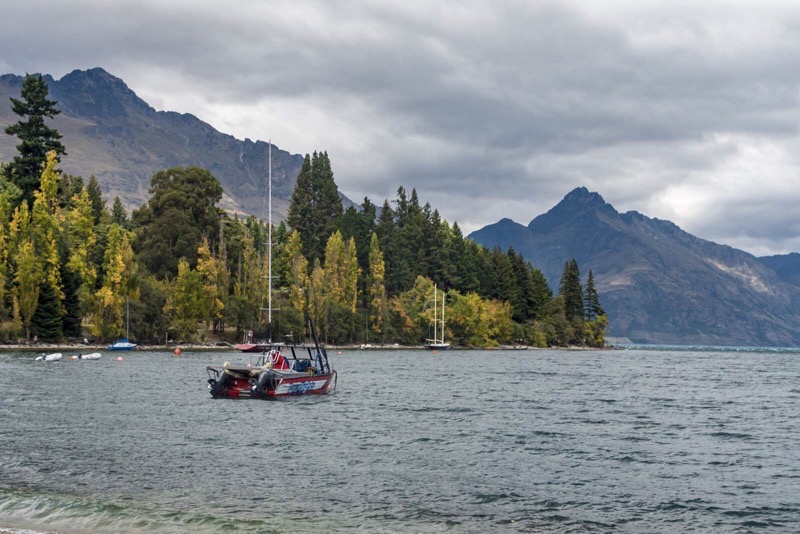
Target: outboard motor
<point x="266" y="382"/>
<point x="219" y="388"/>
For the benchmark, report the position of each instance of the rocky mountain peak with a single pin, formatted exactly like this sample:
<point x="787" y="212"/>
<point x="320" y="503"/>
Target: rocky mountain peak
<point x="96" y="94"/>
<point x="578" y="204"/>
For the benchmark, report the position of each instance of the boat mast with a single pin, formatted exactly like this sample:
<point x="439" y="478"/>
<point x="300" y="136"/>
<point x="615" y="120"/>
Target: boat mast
<point x="127" y="318"/>
<point x="434" y="314"/>
<point x="443" y="296"/>
<point x="269" y="246"/>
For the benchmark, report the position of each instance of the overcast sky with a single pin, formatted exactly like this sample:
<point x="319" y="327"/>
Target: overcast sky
<point x="686" y="111"/>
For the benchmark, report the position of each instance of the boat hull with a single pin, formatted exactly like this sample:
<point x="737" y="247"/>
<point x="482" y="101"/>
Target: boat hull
<point x="49" y="357"/>
<point x="251" y="347"/>
<point x="437" y="346"/>
<point x="122" y="344"/>
<point x="237" y="385"/>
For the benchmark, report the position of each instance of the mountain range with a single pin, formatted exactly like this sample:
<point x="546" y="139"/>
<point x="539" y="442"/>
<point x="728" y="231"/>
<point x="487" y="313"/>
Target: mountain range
<point x="657" y="283"/>
<point x="114" y="135"/>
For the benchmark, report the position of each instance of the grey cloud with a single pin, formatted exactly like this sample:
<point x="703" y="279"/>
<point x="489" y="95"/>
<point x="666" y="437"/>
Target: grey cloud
<point x="488" y="109"/>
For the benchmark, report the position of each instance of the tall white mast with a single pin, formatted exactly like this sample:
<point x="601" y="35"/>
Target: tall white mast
<point x="269" y="246"/>
<point x="434" y="313"/>
<point x="443" y="296"/>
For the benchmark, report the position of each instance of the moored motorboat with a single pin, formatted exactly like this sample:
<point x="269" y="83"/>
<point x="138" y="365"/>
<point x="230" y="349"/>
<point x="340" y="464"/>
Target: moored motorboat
<point x="252" y="347"/>
<point x="281" y="371"/>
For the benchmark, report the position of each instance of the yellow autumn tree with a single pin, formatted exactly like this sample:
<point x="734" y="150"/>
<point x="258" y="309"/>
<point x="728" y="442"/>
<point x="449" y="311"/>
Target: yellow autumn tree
<point x="316" y="294"/>
<point x="118" y="284"/>
<point x="378" y="303"/>
<point x="5" y="245"/>
<point x="298" y="271"/>
<point x="46" y="219"/>
<point x="186" y="301"/>
<point x="81" y="241"/>
<point x="211" y="272"/>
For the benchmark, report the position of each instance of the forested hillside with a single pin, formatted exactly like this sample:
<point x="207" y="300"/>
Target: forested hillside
<point x="192" y="271"/>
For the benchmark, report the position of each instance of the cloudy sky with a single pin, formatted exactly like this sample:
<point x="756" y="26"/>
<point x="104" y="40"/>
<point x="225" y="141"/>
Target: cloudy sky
<point x="681" y="110"/>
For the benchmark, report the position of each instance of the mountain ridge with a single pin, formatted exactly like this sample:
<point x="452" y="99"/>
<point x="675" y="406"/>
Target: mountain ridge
<point x="111" y="133"/>
<point x="658" y="283"/>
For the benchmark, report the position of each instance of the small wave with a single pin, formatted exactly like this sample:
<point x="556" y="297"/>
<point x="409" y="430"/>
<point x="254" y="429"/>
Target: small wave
<point x="731" y="435"/>
<point x="489" y="498"/>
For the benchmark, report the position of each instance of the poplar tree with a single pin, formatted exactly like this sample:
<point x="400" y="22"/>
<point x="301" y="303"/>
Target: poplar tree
<point x="81" y="241"/>
<point x="25" y="267"/>
<point x="316" y="294"/>
<point x="5" y="242"/>
<point x="210" y="271"/>
<point x="298" y="272"/>
<point x="36" y="138"/>
<point x="118" y="284"/>
<point x="45" y="221"/>
<point x="378" y="302"/>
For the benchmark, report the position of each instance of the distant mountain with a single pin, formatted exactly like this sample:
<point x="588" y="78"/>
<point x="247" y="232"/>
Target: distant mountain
<point x="658" y="283"/>
<point x="786" y="266"/>
<point x="111" y="133"/>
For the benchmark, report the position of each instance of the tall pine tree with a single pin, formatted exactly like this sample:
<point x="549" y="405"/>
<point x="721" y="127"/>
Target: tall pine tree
<point x="315" y="207"/>
<point x="592" y="307"/>
<point x="36" y="138"/>
<point x="571" y="290"/>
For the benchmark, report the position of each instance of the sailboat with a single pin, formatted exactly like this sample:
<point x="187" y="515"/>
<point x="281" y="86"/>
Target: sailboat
<point x="282" y="370"/>
<point x="437" y="343"/>
<point x="123" y="343"/>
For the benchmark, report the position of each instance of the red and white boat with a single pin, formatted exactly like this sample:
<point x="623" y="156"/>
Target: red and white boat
<point x="281" y="371"/>
<point x="252" y="347"/>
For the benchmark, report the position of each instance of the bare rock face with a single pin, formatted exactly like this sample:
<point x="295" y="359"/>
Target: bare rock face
<point x="111" y="133"/>
<point x="657" y="283"/>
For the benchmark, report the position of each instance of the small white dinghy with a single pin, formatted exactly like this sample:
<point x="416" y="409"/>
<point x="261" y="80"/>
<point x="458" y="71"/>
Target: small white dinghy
<point x="92" y="356"/>
<point x="49" y="357"/>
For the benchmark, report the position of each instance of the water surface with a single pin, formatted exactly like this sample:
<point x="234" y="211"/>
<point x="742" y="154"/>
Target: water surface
<point x="473" y="441"/>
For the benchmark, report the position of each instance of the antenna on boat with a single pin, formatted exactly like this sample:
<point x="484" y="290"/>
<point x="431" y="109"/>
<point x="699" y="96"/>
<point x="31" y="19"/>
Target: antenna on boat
<point x="269" y="246"/>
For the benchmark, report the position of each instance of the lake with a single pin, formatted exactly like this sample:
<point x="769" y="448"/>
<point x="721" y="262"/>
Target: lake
<point x="460" y="441"/>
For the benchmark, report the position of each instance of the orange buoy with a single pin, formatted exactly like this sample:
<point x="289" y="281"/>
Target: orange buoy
<point x="119" y="358"/>
<point x="340" y="353"/>
<point x="177" y="352"/>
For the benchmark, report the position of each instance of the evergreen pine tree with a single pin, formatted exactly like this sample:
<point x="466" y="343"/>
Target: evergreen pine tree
<point x="592" y="306"/>
<point x="119" y="215"/>
<point x="315" y="207"/>
<point x="571" y="290"/>
<point x="46" y="320"/>
<point x="386" y="230"/>
<point x="71" y="321"/>
<point x="96" y="196"/>
<point x="37" y="139"/>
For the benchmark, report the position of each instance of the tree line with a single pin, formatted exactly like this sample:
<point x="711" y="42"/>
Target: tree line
<point x="192" y="272"/>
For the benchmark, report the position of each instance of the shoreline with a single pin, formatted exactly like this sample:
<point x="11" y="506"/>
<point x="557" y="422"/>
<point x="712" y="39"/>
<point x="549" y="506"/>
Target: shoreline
<point x="225" y="347"/>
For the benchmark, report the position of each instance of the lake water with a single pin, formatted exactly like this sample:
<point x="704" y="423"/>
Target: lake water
<point x="472" y="441"/>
